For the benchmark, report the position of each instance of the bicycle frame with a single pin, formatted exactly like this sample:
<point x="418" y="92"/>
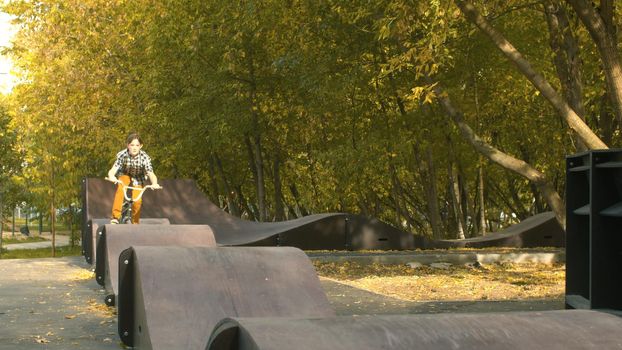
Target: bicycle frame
<point x="126" y="208"/>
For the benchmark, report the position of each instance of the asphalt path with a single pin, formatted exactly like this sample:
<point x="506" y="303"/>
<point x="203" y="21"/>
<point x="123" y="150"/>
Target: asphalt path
<point x="53" y="303"/>
<point x="60" y="241"/>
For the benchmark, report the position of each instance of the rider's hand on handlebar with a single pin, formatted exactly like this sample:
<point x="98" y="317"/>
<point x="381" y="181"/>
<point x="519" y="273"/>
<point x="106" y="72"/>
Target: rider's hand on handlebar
<point x="156" y="186"/>
<point x="112" y="179"/>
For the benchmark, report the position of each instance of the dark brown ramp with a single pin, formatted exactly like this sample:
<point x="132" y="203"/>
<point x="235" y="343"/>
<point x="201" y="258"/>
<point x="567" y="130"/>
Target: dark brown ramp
<point x="562" y="330"/>
<point x="343" y="232"/>
<point x="541" y="230"/>
<point x="93" y="230"/>
<point x="116" y="238"/>
<point x="182" y="202"/>
<point x="173" y="297"/>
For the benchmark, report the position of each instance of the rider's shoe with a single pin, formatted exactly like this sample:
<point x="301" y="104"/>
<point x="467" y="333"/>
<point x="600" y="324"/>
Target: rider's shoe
<point x="114" y="221"/>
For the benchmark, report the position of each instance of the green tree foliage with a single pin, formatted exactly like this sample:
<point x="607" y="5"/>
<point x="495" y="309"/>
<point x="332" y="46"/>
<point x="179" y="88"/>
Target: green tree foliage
<point x="284" y="108"/>
<point x="10" y="162"/>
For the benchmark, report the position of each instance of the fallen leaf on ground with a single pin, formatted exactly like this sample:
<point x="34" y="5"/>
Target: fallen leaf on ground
<point x="503" y="281"/>
<point x="40" y="340"/>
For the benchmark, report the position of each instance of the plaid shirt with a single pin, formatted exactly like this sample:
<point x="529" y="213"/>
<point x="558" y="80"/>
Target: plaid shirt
<point x="135" y="167"/>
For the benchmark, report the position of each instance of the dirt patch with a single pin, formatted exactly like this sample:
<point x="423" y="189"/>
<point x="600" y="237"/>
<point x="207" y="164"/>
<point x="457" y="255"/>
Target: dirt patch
<point x="504" y="281"/>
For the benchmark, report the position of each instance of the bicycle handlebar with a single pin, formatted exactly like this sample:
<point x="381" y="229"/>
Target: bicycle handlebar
<point x="126" y="187"/>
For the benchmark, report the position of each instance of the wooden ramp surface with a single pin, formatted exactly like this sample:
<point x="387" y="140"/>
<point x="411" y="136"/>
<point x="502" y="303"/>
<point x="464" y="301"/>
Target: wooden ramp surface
<point x="181" y="202"/>
<point x="541" y="230"/>
<point x="94" y="228"/>
<point x="561" y="330"/>
<point x="116" y="238"/>
<point x="173" y="297"/>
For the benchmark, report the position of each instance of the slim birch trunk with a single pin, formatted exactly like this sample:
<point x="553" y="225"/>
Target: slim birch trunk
<point x="1" y="220"/>
<point x="279" y="214"/>
<point x="482" y="202"/>
<point x="455" y="199"/>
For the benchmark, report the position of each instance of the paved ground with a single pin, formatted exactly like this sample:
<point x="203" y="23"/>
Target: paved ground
<point x="56" y="304"/>
<point x="53" y="304"/>
<point x="61" y="240"/>
<point x="456" y="257"/>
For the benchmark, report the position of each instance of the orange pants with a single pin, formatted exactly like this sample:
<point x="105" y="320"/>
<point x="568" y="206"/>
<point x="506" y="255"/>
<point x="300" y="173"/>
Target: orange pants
<point x="118" y="201"/>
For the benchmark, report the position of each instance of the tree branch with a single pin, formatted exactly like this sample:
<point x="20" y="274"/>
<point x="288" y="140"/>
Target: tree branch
<point x="574" y="121"/>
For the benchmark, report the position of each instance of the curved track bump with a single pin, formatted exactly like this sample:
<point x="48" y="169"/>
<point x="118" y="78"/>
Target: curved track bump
<point x="564" y="329"/>
<point x="172" y="297"/>
<point x="94" y="228"/>
<point x="541" y="230"/>
<point x="182" y="202"/>
<point x="116" y="238"/>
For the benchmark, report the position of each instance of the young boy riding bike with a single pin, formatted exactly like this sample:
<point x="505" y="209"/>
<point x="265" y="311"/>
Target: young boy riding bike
<point x="131" y="166"/>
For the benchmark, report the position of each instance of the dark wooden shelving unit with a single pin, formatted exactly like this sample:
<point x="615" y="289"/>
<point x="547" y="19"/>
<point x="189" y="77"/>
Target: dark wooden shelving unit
<point x="584" y="210"/>
<point x="594" y="230"/>
<point x="613" y="211"/>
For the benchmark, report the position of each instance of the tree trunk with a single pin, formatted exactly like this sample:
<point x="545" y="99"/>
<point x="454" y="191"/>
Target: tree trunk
<point x="480" y="174"/>
<point x="566" y="59"/>
<point x="537" y="203"/>
<point x="432" y="194"/>
<point x="505" y="199"/>
<point x="575" y="122"/>
<point x="261" y="182"/>
<point x="606" y="121"/>
<point x="279" y="214"/>
<point x="538" y="206"/>
<point x="302" y="211"/>
<point x="603" y="33"/>
<point x="456" y="192"/>
<point x="395" y="189"/>
<point x="517" y="203"/>
<point x="256" y="162"/>
<point x="53" y="225"/>
<point x="212" y="173"/>
<point x="551" y="196"/>
<point x="427" y="180"/>
<point x="71" y="232"/>
<point x="480" y="197"/>
<point x="232" y="203"/>
<point x="389" y="150"/>
<point x="1" y="220"/>
<point x="468" y="206"/>
<point x="243" y="204"/>
<point x="455" y="200"/>
<point x="53" y="207"/>
<point x="255" y="144"/>
<point x="314" y="185"/>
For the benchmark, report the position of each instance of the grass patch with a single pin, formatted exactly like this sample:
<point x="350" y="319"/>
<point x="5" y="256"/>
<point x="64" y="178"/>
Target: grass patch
<point x="24" y="239"/>
<point x="489" y="282"/>
<point x="41" y="253"/>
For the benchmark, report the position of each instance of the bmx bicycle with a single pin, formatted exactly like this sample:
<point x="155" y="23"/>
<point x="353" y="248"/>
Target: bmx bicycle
<point x="128" y="199"/>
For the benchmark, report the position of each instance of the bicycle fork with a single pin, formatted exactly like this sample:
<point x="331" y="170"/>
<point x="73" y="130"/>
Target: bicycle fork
<point x="126" y="213"/>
